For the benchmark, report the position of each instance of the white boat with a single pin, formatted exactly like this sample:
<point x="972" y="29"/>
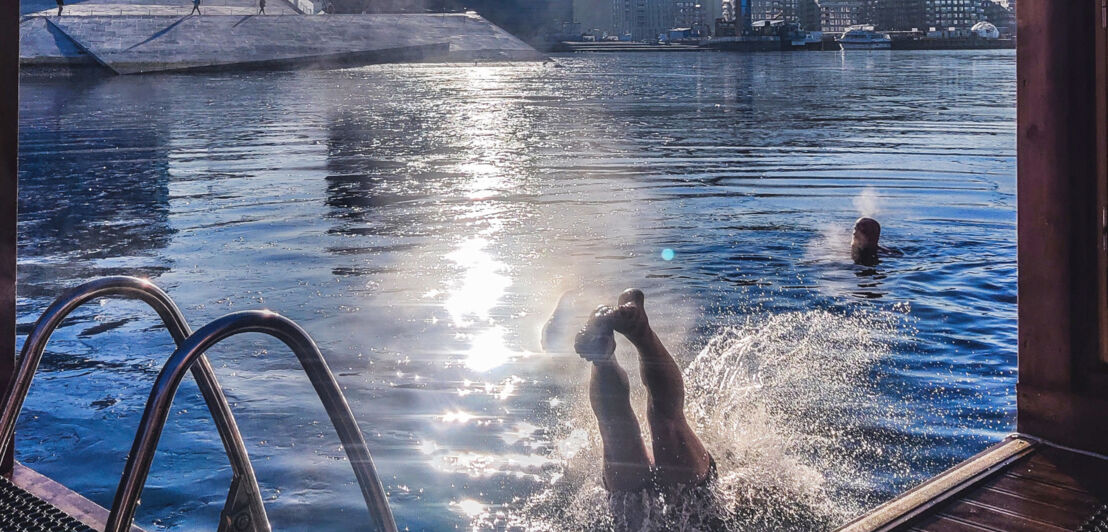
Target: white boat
<point x="864" y="38"/>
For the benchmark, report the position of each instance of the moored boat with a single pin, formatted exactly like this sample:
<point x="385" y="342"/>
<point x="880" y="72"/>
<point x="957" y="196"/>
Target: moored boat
<point x="864" y="38"/>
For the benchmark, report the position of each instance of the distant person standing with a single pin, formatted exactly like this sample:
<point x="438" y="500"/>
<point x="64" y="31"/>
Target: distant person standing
<point x="61" y="4"/>
<point x="261" y="7"/>
<point x="195" y="7"/>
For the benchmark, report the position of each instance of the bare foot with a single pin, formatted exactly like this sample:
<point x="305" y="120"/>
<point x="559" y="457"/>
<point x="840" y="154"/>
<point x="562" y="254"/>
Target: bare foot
<point x="596" y="342"/>
<point x="629" y="318"/>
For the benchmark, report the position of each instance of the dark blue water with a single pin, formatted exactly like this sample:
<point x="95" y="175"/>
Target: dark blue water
<point x="421" y="222"/>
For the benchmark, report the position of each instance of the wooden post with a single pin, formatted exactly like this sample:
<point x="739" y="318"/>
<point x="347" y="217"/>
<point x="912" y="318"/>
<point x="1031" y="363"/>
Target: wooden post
<point x="9" y="131"/>
<point x="1063" y="382"/>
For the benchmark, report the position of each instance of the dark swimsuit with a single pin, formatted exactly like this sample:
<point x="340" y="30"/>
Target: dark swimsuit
<point x="656" y="485"/>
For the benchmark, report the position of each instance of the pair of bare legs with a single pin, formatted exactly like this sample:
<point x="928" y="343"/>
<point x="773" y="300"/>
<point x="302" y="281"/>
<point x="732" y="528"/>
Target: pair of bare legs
<point x="676" y="456"/>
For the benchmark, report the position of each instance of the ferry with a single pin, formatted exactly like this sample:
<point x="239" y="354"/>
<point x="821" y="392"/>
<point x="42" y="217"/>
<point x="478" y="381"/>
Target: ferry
<point x="864" y="38"/>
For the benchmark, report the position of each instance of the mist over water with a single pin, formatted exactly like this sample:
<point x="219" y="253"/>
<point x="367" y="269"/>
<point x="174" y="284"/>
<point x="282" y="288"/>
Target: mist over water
<point x="422" y="222"/>
<point x="867" y="203"/>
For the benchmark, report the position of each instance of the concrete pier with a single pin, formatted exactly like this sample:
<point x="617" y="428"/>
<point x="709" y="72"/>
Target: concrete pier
<point x="133" y="44"/>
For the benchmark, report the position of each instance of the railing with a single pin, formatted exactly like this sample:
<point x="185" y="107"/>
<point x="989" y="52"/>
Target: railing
<point x="190" y="352"/>
<point x="243" y="510"/>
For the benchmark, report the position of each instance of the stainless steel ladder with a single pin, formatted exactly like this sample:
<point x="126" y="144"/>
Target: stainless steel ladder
<point x="243" y="510"/>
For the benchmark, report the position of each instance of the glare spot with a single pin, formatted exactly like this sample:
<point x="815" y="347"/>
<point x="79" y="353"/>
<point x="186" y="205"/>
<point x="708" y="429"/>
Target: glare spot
<point x="487" y="350"/>
<point x="457" y="416"/>
<point x="428" y="447"/>
<point x="506" y="390"/>
<point x="667" y="254"/>
<point x="482" y="285"/>
<point x="470" y="507"/>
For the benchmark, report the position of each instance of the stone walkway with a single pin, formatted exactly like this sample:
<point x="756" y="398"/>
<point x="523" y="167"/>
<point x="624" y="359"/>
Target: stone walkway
<point x="152" y="7"/>
<point x="272" y="7"/>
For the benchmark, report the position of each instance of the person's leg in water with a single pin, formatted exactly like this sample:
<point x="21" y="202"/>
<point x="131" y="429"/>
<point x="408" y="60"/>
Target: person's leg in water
<point x="679" y="456"/>
<point x="626" y="461"/>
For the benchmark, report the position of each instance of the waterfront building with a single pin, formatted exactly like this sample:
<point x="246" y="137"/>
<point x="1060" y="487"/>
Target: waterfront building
<point x="1001" y="16"/>
<point x="773" y="10"/>
<point x="530" y="20"/>
<point x="838" y="15"/>
<point x="743" y="14"/>
<point x="593" y="16"/>
<point x="940" y="15"/>
<point x="689" y="14"/>
<point x="957" y="14"/>
<point x="807" y="14"/>
<point x="643" y="19"/>
<point x="899" y="15"/>
<point x="711" y="10"/>
<point x="735" y="18"/>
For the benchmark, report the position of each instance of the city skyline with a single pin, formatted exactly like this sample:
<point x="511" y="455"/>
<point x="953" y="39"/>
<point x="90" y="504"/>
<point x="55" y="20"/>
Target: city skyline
<point x="646" y="19"/>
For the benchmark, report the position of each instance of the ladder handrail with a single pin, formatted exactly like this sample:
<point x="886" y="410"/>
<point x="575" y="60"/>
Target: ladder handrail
<point x="192" y="350"/>
<point x="145" y="291"/>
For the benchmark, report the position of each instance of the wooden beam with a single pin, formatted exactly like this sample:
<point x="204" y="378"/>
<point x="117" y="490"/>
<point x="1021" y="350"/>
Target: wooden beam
<point x="9" y="152"/>
<point x="1059" y="233"/>
<point x="1101" y="83"/>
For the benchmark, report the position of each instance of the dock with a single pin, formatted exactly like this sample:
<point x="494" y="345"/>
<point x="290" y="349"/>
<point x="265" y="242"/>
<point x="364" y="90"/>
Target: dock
<point x="30" y="501"/>
<point x="623" y="46"/>
<point x="1020" y="484"/>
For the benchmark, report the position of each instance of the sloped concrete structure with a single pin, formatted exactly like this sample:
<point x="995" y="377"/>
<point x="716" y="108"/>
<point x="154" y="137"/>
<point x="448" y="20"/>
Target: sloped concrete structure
<point x="46" y="45"/>
<point x="132" y="44"/>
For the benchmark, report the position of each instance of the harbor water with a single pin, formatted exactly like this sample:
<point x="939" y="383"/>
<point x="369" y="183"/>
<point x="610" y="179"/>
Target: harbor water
<point x="421" y="222"/>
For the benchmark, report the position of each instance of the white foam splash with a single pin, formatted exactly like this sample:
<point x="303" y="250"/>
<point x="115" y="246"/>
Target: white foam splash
<point x="774" y="398"/>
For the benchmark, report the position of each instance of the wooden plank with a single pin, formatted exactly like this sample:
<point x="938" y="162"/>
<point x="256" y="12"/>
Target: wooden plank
<point x="1059" y="478"/>
<point x="995" y="518"/>
<point x="1091" y="472"/>
<point x="1038" y="510"/>
<point x="1063" y="498"/>
<point x="938" y="523"/>
<point x="1066" y="468"/>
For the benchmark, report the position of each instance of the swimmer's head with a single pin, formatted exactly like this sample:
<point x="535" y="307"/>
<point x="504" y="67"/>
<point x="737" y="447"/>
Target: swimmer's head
<point x="863" y="246"/>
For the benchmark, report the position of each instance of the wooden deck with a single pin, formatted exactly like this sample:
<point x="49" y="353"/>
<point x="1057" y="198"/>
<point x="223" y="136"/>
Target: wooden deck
<point x="1020" y="484"/>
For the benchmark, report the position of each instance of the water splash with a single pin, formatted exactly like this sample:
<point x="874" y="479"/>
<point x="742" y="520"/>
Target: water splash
<point x="779" y="400"/>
